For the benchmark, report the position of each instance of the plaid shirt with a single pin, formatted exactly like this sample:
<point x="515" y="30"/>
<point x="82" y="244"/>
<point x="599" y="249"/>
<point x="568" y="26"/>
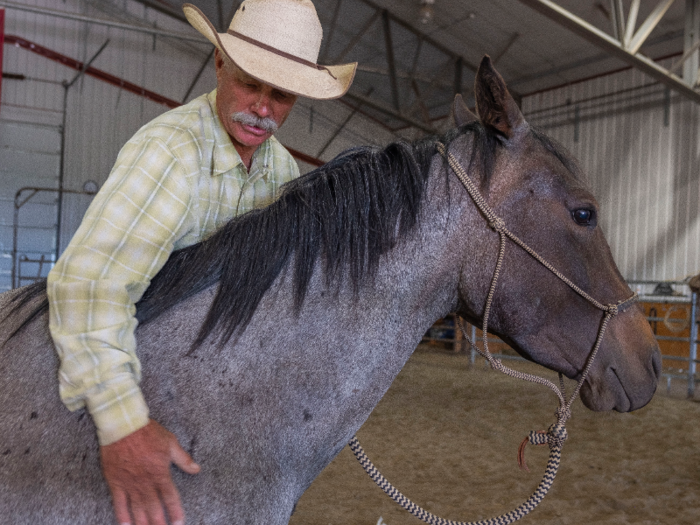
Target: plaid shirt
<point x="174" y="183"/>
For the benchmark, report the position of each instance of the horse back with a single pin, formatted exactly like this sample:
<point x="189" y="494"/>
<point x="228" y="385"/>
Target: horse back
<point x="44" y="448"/>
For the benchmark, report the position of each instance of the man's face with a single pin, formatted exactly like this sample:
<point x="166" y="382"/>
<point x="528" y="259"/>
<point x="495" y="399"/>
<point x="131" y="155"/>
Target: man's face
<point x="240" y="97"/>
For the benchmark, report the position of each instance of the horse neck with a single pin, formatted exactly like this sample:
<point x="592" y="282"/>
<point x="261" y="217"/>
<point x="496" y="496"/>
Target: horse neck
<point x="417" y="282"/>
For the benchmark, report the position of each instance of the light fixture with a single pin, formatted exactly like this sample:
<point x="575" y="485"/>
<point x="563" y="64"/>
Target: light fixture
<point x="426" y="11"/>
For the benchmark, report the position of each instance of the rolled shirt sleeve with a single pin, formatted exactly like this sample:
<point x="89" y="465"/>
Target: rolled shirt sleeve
<point x="126" y="237"/>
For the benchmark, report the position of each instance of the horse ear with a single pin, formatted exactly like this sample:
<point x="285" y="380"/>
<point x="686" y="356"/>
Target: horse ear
<point x="494" y="103"/>
<point x="461" y="114"/>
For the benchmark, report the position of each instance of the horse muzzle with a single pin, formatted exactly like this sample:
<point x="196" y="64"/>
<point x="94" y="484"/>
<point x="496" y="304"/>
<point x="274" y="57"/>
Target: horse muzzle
<point x="626" y="372"/>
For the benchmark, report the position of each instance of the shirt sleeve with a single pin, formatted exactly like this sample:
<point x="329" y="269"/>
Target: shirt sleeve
<point x="126" y="237"/>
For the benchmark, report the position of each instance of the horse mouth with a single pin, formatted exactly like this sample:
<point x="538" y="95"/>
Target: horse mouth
<point x="624" y="402"/>
<point x="613" y="396"/>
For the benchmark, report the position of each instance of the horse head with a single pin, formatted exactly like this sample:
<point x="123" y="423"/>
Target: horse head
<point x="537" y="188"/>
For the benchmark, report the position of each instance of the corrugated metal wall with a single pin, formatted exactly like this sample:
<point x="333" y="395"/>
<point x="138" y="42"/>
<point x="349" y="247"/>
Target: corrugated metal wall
<point x="640" y="147"/>
<point x="101" y="117"/>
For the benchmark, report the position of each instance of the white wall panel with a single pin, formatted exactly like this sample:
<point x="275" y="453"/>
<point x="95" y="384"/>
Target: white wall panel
<point x="644" y="173"/>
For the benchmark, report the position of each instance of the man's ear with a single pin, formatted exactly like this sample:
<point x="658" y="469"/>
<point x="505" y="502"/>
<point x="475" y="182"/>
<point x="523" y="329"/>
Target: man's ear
<point x="461" y="114"/>
<point x="495" y="105"/>
<point x="218" y="59"/>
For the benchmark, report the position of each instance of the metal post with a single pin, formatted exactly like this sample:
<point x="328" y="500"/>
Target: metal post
<point x="355" y="39"/>
<point x="61" y="169"/>
<point x="690" y="41"/>
<point x="342" y="126"/>
<point x="329" y="38"/>
<point x="199" y="74"/>
<point x="636" y="41"/>
<point x="507" y="47"/>
<point x="472" y="353"/>
<point x="458" y="76"/>
<point x="2" y="43"/>
<point x="21" y="201"/>
<point x="631" y="23"/>
<point x="618" y="19"/>
<point x="693" y="344"/>
<point x="389" y="111"/>
<point x="390" y="60"/>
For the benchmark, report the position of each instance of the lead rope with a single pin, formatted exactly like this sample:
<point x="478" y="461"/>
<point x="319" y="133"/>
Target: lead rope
<point x="555" y="436"/>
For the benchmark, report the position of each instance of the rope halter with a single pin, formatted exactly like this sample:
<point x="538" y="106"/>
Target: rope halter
<point x="556" y="434"/>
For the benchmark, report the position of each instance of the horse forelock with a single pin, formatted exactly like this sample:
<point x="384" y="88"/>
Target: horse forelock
<point x="559" y="151"/>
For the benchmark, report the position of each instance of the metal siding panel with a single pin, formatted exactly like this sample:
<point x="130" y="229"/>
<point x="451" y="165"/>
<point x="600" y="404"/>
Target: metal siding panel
<point x="645" y="175"/>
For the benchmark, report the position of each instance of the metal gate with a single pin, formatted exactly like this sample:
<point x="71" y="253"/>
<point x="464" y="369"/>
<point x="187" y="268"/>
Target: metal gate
<point x="30" y="144"/>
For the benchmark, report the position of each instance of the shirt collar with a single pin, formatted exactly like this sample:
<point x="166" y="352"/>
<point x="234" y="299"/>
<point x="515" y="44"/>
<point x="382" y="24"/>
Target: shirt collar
<point x="226" y="158"/>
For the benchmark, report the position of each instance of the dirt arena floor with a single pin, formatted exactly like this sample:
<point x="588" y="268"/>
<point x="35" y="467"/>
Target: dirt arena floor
<point x="447" y="433"/>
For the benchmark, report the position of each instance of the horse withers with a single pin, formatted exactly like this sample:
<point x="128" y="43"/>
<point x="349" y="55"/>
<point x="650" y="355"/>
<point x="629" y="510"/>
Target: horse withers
<point x="267" y="346"/>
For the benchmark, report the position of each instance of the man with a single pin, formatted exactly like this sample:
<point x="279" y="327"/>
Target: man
<point x="175" y="182"/>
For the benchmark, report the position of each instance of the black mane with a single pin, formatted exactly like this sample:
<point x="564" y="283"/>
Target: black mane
<point x="347" y="213"/>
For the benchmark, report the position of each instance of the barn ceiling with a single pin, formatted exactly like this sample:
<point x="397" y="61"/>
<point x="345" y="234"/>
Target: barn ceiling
<point x="414" y="55"/>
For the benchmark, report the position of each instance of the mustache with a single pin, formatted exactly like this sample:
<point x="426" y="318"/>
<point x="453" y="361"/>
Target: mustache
<point x="264" y="123"/>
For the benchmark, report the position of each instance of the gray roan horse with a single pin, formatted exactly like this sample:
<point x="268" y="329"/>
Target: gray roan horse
<point x="266" y="347"/>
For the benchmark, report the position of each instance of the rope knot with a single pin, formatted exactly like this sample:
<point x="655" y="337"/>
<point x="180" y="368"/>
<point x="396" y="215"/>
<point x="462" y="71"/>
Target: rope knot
<point x="554" y="436"/>
<point x="497" y="224"/>
<point x="563" y="414"/>
<point x="612" y="309"/>
<point x="557" y="434"/>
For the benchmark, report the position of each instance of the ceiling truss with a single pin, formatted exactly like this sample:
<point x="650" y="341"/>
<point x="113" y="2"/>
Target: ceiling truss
<point x="627" y="39"/>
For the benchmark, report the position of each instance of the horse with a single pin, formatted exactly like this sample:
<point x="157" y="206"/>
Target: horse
<point x="265" y="347"/>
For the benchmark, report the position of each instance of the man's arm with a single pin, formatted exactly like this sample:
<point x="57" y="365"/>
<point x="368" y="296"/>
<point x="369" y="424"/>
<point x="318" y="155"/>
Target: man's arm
<point x="126" y="237"/>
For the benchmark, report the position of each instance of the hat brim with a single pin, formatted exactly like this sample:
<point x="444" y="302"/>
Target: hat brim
<point x="326" y="83"/>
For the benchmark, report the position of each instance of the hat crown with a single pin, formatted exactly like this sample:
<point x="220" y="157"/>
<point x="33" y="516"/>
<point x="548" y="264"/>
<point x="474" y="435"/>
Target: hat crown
<point x="291" y="26"/>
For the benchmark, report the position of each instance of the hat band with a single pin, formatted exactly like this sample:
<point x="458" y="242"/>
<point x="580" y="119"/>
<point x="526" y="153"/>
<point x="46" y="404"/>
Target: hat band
<point x="280" y="53"/>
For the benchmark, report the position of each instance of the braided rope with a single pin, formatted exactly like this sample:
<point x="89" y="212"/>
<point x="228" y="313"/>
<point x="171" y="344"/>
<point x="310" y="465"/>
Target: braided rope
<point x="556" y="435"/>
<point x="505" y="519"/>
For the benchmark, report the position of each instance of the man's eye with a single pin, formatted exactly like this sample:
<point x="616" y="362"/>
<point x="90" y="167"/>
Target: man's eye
<point x="584" y="217"/>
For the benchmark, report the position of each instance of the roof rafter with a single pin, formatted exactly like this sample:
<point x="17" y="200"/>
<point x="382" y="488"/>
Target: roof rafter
<point x="614" y="46"/>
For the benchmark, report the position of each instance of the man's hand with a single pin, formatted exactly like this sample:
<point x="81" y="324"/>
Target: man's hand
<point x="137" y="470"/>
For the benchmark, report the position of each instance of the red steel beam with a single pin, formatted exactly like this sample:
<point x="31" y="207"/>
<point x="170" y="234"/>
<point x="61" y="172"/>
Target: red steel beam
<point x="2" y="41"/>
<point x="90" y="71"/>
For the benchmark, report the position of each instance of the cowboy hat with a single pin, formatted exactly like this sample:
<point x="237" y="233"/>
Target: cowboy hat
<point x="277" y="42"/>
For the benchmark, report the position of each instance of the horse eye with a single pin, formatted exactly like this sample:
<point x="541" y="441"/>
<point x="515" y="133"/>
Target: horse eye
<point x="583" y="217"/>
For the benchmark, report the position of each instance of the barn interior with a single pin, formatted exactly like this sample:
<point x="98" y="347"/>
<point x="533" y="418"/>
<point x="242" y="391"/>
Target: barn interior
<point x="614" y="81"/>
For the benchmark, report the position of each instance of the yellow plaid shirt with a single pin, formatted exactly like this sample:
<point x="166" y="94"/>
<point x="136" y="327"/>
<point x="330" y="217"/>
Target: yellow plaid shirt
<point x="174" y="183"/>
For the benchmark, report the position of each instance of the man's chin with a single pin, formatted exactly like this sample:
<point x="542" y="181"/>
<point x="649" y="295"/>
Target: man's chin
<point x="250" y="139"/>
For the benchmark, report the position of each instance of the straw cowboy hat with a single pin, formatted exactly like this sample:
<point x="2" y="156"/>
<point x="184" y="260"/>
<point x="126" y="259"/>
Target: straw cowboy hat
<point x="277" y="42"/>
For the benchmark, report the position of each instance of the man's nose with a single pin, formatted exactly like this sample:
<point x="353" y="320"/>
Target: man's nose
<point x="261" y="107"/>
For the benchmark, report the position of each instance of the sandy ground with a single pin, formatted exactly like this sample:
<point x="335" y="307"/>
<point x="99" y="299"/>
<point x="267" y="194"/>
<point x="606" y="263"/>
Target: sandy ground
<point x="447" y="433"/>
